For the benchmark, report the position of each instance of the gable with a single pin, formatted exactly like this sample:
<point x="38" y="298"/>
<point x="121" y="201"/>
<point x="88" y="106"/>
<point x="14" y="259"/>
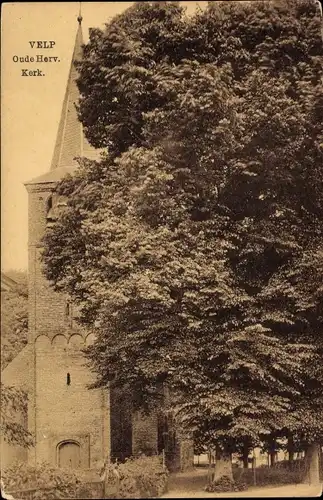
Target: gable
<point x="16" y="373"/>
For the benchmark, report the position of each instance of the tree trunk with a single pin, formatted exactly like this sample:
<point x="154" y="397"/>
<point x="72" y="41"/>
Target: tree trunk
<point x="223" y="465"/>
<point x="291" y="451"/>
<point x="210" y="468"/>
<point x="272" y="451"/>
<point x="312" y="455"/>
<point x="245" y="456"/>
<point x="272" y="456"/>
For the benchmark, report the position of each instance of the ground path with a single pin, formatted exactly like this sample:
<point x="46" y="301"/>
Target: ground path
<point x="191" y="485"/>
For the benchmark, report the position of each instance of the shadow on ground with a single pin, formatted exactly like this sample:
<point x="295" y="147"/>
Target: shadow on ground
<point x="191" y="484"/>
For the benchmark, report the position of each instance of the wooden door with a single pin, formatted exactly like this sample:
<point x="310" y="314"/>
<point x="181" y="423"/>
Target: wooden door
<point x="69" y="455"/>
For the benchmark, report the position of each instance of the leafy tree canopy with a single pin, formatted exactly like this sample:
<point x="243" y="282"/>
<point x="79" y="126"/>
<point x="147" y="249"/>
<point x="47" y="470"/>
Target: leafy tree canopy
<point x="194" y="246"/>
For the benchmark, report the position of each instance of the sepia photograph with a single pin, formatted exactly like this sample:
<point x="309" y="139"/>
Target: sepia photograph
<point x="161" y="249"/>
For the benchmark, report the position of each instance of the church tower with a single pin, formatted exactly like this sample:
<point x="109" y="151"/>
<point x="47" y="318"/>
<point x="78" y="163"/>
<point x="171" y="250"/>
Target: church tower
<point x="73" y="426"/>
<point x="71" y="423"/>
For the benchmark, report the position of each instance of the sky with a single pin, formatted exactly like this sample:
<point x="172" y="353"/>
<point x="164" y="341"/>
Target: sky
<point x="31" y="105"/>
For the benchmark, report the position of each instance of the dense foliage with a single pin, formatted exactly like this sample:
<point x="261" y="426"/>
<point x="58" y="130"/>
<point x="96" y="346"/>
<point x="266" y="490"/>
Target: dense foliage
<point x="14" y="318"/>
<point x="194" y="248"/>
<point x="14" y="330"/>
<point x="45" y="481"/>
<point x="226" y="484"/>
<point x="265" y="476"/>
<point x="14" y="416"/>
<point x="143" y="477"/>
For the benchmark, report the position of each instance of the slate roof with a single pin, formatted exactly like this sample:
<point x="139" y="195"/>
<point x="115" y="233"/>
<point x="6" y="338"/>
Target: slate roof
<point x="70" y="140"/>
<point x="52" y="176"/>
<point x="7" y="283"/>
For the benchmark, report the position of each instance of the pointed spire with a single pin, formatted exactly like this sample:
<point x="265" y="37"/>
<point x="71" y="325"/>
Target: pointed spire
<point x="80" y="18"/>
<point x="70" y="140"/>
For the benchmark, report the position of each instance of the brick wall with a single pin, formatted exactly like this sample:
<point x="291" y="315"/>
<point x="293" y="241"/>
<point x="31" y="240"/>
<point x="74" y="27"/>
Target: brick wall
<point x="47" y="308"/>
<point x="58" y="411"/>
<point x="68" y="412"/>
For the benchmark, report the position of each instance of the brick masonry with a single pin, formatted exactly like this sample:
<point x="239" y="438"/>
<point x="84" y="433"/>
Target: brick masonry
<point x="59" y="410"/>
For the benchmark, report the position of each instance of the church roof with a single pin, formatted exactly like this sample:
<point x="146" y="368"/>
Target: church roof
<point x="14" y="374"/>
<point x="52" y="176"/>
<point x="70" y="140"/>
<point x="8" y="284"/>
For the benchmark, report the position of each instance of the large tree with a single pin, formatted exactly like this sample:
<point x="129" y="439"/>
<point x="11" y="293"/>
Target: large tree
<point x="176" y="243"/>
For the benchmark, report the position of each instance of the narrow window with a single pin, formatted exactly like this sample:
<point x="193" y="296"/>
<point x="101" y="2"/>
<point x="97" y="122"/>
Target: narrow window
<point x="68" y="379"/>
<point x="67" y="309"/>
<point x="50" y="210"/>
<point x="49" y="204"/>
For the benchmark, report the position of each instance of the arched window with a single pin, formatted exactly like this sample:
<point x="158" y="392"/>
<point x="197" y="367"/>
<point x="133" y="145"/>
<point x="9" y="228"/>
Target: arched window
<point x="69" y="455"/>
<point x="68" y="379"/>
<point x="54" y="206"/>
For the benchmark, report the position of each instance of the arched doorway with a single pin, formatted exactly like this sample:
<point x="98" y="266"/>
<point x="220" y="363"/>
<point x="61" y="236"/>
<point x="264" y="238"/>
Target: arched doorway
<point x="69" y="455"/>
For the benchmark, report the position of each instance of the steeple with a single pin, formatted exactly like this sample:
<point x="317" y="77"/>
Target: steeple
<point x="70" y="140"/>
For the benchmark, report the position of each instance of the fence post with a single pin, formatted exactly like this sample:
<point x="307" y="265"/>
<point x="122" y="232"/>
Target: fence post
<point x="118" y="487"/>
<point x="164" y="458"/>
<point x="117" y="477"/>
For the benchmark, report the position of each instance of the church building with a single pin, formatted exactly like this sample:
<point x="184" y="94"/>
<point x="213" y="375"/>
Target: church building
<point x="72" y="425"/>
